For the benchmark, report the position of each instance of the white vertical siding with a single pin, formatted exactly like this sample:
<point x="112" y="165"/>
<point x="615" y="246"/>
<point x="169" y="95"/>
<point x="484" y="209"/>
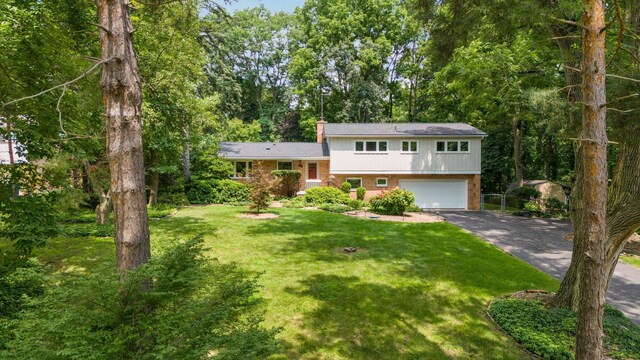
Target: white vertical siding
<point x="345" y="160"/>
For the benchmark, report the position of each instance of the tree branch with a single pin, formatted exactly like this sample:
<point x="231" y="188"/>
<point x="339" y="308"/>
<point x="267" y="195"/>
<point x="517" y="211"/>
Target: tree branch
<point x="64" y="89"/>
<point x="63" y="85"/>
<point x="622" y="111"/>
<point x="620" y="32"/>
<point x="101" y="27"/>
<point x="621" y="98"/>
<point x="565" y="21"/>
<point x="623" y="78"/>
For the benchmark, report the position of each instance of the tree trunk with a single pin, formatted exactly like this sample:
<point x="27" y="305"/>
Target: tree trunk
<point x="121" y="95"/>
<point x="103" y="210"/>
<point x="517" y="150"/>
<point x="623" y="204"/>
<point x="590" y="229"/>
<point x="186" y="156"/>
<point x="10" y="143"/>
<point x="153" y="192"/>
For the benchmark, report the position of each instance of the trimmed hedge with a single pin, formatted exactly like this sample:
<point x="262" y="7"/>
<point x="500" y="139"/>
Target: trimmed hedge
<point x="346" y="187"/>
<point x="524" y="195"/>
<point x="360" y="193"/>
<point x="217" y="192"/>
<point x="326" y="195"/>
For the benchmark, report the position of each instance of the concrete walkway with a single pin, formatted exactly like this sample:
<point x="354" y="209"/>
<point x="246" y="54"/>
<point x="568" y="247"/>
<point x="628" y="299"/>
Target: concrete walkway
<point x="541" y="243"/>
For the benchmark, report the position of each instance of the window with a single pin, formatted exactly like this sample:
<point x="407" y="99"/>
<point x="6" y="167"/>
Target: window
<point x="355" y="182"/>
<point x="452" y="146"/>
<point x="381" y="182"/>
<point x="371" y="146"/>
<point x="409" y="146"/>
<point x="243" y="168"/>
<point x="285" y="165"/>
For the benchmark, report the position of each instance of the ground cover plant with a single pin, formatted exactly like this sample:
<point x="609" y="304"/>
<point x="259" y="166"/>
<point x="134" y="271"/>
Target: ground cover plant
<point x="549" y="332"/>
<point x="410" y="291"/>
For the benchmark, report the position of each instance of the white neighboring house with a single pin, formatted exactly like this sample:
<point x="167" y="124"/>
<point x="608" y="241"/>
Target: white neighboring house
<point x="439" y="162"/>
<point x="5" y="157"/>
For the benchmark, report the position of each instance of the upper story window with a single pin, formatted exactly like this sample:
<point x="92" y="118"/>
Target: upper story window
<point x="285" y="165"/>
<point x="371" y="146"/>
<point x="452" y="146"/>
<point x="409" y="146"/>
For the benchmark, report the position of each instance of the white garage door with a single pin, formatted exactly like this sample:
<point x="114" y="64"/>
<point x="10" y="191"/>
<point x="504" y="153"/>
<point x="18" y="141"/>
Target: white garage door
<point x="438" y="194"/>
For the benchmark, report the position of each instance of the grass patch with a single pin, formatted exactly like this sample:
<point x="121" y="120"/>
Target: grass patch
<point x="631" y="260"/>
<point x="415" y="291"/>
<point x="550" y="332"/>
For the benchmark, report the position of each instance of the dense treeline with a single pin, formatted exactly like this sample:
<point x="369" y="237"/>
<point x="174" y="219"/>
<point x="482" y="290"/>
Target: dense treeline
<point x="397" y="61"/>
<point x="256" y="75"/>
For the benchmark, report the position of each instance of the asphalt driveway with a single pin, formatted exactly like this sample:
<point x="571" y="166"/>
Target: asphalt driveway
<point x="542" y="243"/>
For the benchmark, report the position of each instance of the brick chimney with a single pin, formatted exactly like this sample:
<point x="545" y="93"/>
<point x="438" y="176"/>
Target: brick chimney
<point x="320" y="131"/>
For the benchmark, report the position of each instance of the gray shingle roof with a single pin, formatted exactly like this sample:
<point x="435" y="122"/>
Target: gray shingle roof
<point x="269" y="150"/>
<point x="402" y="129"/>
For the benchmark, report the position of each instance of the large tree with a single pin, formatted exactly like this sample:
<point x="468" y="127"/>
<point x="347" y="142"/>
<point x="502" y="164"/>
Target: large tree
<point x="122" y="97"/>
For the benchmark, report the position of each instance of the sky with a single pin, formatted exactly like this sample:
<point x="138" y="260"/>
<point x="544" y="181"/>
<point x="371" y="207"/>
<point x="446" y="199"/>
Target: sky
<point x="272" y="5"/>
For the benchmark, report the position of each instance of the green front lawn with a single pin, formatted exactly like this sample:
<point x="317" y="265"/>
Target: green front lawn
<point x="412" y="291"/>
<point x="631" y="260"/>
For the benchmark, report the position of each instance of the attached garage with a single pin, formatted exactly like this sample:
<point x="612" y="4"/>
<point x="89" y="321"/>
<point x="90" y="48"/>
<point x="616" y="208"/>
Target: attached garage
<point x="438" y="194"/>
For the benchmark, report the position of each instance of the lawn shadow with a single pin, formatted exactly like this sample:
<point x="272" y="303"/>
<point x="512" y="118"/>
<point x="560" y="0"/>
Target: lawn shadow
<point x="78" y="255"/>
<point x="364" y="320"/>
<point x="182" y="227"/>
<point x="406" y="280"/>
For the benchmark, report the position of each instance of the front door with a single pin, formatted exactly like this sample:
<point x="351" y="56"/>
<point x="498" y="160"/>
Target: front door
<point x="312" y="171"/>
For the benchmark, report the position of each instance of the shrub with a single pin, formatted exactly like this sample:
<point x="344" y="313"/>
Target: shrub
<point x="326" y="195"/>
<point x="196" y="306"/>
<point x="217" y="192"/>
<point x="524" y="194"/>
<point x="336" y="208"/>
<point x="345" y="187"/>
<point x="174" y="199"/>
<point x="289" y="182"/>
<point x="77" y="217"/>
<point x="356" y="204"/>
<point x="360" y="193"/>
<point x="394" y="202"/>
<point x="533" y="208"/>
<point x="29" y="221"/>
<point x="296" y="202"/>
<point x="553" y="206"/>
<point x="17" y="286"/>
<point x="84" y="230"/>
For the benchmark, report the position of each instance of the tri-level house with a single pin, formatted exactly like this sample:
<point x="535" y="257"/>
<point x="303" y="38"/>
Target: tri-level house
<point x="439" y="163"/>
